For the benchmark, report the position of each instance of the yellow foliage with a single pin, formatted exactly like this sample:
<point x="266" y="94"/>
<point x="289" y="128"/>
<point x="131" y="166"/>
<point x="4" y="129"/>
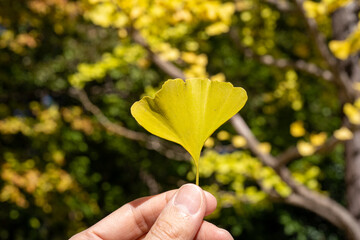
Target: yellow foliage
<point x="254" y="195"/>
<point x="159" y="23"/>
<point x="288" y="92"/>
<point x="18" y="43"/>
<point x="217" y="28"/>
<point x="238" y="141"/>
<point x="297" y="129"/>
<point x="357" y="103"/>
<point x="10" y="193"/>
<point x="58" y="157"/>
<point x="299" y="177"/>
<point x="102" y="14"/>
<point x="196" y="71"/>
<point x="246" y="16"/>
<point x="341" y="49"/>
<point x="46" y="122"/>
<point x="305" y="148"/>
<point x="189" y="57"/>
<point x="209" y="143"/>
<point x="223" y="135"/>
<point x="121" y="56"/>
<point x="265" y="147"/>
<point x="322" y="8"/>
<point x="344" y="48"/>
<point x="353" y="113"/>
<point x="24" y="176"/>
<point x="314" y="9"/>
<point x="318" y="139"/>
<point x="283" y="190"/>
<point x="308" y="177"/>
<point x="235" y="168"/>
<point x="312" y="172"/>
<point x="13" y="125"/>
<point x="78" y="121"/>
<point x="343" y="134"/>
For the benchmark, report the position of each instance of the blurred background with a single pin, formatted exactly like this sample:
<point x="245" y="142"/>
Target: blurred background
<point x="71" y="153"/>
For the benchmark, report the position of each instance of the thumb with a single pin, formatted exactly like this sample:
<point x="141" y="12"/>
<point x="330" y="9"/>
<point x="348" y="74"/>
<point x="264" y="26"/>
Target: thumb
<point x="182" y="216"/>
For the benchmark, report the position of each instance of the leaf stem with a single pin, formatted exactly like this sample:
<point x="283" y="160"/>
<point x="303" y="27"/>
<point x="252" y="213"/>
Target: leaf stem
<point x="197" y="174"/>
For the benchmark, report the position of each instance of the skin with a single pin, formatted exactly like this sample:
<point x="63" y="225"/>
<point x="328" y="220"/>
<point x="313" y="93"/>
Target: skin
<point x="176" y="214"/>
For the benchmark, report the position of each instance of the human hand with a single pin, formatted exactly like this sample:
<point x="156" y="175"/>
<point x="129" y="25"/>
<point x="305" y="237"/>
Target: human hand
<point x="176" y="214"/>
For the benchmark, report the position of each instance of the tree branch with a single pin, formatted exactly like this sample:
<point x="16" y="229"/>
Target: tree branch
<point x="320" y="204"/>
<point x="281" y="5"/>
<point x="151" y="183"/>
<point x="292" y="153"/>
<point x="165" y="66"/>
<point x="340" y="77"/>
<point x="301" y="196"/>
<point x="165" y="148"/>
<point x="281" y="63"/>
<point x="243" y="129"/>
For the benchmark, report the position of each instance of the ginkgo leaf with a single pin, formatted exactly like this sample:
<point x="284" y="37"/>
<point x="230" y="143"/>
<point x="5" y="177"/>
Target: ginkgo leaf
<point x="223" y="135"/>
<point x="352" y="113"/>
<point x="238" y="141"/>
<point x="297" y="129"/>
<point x="343" y="134"/>
<point x="305" y="148"/>
<point x="264" y="147"/>
<point x="188" y="112"/>
<point x="341" y="49"/>
<point x="209" y="143"/>
<point x="318" y="139"/>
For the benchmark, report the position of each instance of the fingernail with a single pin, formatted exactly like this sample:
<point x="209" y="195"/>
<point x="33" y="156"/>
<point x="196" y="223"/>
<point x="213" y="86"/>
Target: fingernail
<point x="188" y="198"/>
<point x="225" y="234"/>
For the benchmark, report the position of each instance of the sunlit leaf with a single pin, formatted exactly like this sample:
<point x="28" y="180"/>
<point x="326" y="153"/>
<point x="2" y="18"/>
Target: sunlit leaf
<point x="238" y="141"/>
<point x="343" y="134"/>
<point x="209" y="143"/>
<point x="264" y="147"/>
<point x="352" y="113"/>
<point x="188" y="112"/>
<point x="223" y="135"/>
<point x="305" y="148"/>
<point x="341" y="49"/>
<point x="297" y="129"/>
<point x="318" y="139"/>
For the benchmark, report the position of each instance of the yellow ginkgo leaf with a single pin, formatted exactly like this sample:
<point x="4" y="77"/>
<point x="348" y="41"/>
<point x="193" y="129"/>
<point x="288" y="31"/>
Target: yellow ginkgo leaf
<point x="343" y="134"/>
<point x="318" y="139"/>
<point x="209" y="143"/>
<point x="264" y="147"/>
<point x="305" y="148"/>
<point x="352" y="113"/>
<point x="188" y="112"/>
<point x="357" y="103"/>
<point x="297" y="129"/>
<point x="223" y="135"/>
<point x="341" y="49"/>
<point x="238" y="141"/>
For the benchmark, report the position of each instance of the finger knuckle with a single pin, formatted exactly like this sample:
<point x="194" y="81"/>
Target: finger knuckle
<point x="163" y="230"/>
<point x="140" y="220"/>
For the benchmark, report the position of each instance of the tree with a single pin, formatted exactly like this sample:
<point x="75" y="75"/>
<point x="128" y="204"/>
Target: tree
<point x="298" y="60"/>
